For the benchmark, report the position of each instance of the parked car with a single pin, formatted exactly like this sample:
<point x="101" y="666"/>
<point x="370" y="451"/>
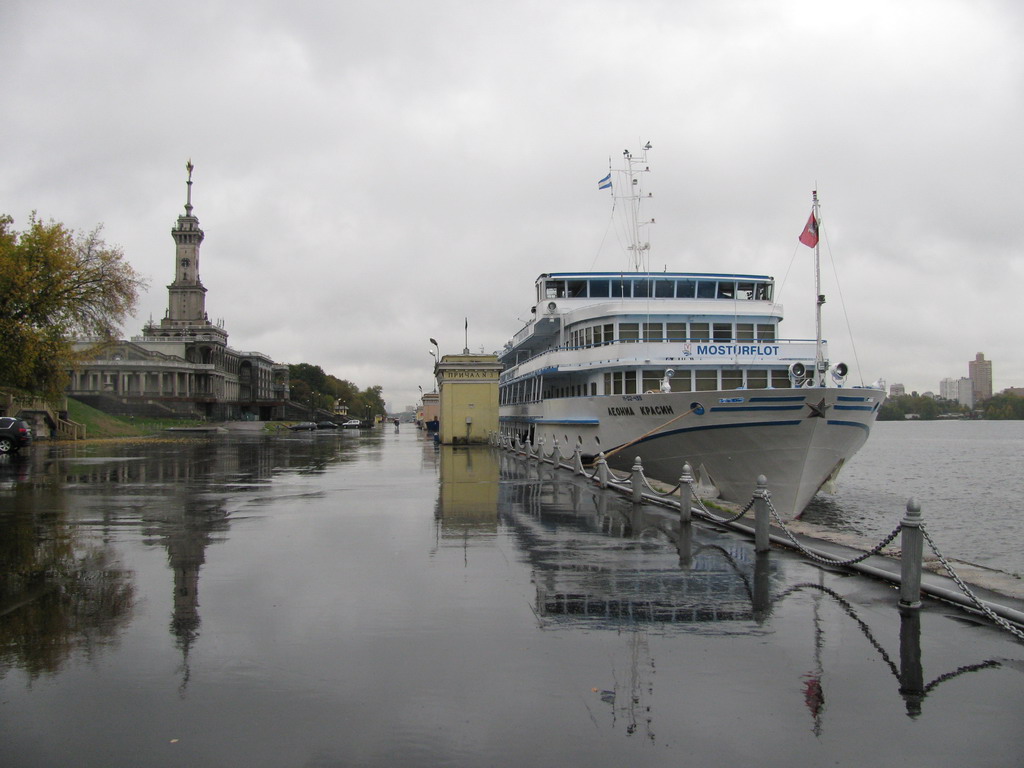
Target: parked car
<point x="352" y="424"/>
<point x="14" y="434"/>
<point x="303" y="426"/>
<point x="326" y="425"/>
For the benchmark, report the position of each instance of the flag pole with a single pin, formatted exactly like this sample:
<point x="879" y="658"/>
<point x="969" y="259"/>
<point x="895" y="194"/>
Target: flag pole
<point x="819" y="358"/>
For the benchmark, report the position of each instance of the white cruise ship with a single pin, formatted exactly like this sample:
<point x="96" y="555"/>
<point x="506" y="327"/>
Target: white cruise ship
<point x="677" y="367"/>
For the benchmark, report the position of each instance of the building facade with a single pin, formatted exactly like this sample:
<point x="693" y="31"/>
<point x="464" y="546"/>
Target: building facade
<point x="181" y="366"/>
<point x="468" y="389"/>
<point x="979" y="371"/>
<point x="948" y="389"/>
<point x="965" y="392"/>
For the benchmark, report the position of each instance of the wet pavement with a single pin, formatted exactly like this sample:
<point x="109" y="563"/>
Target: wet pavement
<point x="368" y="599"/>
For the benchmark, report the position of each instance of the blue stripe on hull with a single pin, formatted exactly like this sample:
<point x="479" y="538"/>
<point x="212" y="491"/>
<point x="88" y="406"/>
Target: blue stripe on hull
<point x="743" y="425"/>
<point x="731" y="408"/>
<point x="837" y="423"/>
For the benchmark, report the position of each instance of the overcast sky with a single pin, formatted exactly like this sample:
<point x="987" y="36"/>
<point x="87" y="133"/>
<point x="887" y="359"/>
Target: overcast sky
<point x="370" y="174"/>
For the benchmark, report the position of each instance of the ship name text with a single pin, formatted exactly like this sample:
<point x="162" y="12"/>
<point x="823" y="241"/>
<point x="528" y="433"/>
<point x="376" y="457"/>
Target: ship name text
<point x="645" y="410"/>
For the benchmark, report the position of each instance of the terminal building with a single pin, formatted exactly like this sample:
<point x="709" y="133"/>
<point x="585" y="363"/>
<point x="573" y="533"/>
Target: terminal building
<point x="182" y="366"/>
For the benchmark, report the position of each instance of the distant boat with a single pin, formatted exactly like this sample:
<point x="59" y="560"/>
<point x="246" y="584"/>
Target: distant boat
<point x="675" y="367"/>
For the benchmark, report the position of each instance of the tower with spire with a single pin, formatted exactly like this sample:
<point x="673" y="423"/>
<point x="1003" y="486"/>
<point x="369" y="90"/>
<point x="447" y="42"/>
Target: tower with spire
<point x="181" y="366"/>
<point x="186" y="296"/>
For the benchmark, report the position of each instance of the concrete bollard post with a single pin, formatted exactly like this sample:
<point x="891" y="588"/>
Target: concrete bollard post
<point x="602" y="470"/>
<point x="636" y="481"/>
<point x="762" y="542"/>
<point x="556" y="454"/>
<point x="540" y="449"/>
<point x="912" y="545"/>
<point x="685" y="494"/>
<point x="577" y="460"/>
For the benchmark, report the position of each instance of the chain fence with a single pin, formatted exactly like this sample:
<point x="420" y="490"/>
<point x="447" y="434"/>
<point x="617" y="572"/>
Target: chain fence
<point x="828" y="560"/>
<point x="620" y="480"/>
<point x="979" y="604"/>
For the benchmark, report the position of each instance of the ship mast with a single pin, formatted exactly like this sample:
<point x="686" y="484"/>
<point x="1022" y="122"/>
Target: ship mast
<point x="635" y="166"/>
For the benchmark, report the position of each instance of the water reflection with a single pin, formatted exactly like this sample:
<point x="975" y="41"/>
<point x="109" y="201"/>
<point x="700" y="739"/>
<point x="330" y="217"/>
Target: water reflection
<point x="66" y="508"/>
<point x="468" y="491"/>
<point x="326" y="634"/>
<point x="599" y="562"/>
<point x="59" y="591"/>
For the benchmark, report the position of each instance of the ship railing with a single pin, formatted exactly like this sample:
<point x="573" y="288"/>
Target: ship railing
<point x="642" y="353"/>
<point x="685" y="500"/>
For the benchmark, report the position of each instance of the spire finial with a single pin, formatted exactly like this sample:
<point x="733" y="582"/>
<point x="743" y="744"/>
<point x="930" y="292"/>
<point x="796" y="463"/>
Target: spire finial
<point x="188" y="200"/>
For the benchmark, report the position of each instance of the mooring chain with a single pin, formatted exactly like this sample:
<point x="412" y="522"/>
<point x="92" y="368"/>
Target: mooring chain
<point x="700" y="502"/>
<point x="967" y="590"/>
<point x="656" y="492"/>
<point x="989" y="664"/>
<point x="828" y="560"/>
<point x="711" y="515"/>
<point x="665" y="494"/>
<point x="614" y="475"/>
<point x="848" y="609"/>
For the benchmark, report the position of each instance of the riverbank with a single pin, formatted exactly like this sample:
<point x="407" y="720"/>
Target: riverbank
<point x="105" y="426"/>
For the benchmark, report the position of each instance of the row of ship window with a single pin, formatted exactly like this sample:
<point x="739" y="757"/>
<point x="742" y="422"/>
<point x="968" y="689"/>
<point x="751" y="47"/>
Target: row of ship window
<point x="657" y="288"/>
<point x="648" y="380"/>
<point x="605" y="333"/>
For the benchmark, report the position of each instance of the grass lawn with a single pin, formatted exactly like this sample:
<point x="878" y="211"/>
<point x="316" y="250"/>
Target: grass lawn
<point x="99" y="424"/>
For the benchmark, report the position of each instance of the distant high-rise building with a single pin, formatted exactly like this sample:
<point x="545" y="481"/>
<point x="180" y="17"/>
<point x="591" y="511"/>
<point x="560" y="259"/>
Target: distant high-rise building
<point x="897" y="390"/>
<point x="979" y="370"/>
<point x="965" y="392"/>
<point x="948" y="389"/>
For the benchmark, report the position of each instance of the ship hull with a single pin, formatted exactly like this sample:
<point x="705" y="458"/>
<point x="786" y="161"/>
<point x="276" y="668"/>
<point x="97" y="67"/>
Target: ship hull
<point x="798" y="439"/>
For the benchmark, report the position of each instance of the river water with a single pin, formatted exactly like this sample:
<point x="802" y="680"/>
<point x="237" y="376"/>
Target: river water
<point x="968" y="477"/>
<point x="369" y="599"/>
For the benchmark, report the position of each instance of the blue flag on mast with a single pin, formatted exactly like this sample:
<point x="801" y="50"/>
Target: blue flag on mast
<point x="606" y="182"/>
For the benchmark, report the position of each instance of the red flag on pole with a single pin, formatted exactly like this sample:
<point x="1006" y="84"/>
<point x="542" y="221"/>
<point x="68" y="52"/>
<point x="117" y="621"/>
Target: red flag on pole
<point x="809" y="236"/>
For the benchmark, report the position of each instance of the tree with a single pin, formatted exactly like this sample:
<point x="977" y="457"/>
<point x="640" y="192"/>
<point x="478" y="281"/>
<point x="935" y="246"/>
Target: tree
<point x="313" y="375"/>
<point x="926" y="408"/>
<point x="309" y="384"/>
<point x="1003" y="406"/>
<point x="373" y="401"/>
<point x="56" y="284"/>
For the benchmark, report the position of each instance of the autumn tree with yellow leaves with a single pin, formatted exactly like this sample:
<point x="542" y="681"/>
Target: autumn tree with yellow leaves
<point x="55" y="285"/>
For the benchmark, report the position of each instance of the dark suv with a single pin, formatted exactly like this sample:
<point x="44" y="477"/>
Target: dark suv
<point x="14" y="434"/>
